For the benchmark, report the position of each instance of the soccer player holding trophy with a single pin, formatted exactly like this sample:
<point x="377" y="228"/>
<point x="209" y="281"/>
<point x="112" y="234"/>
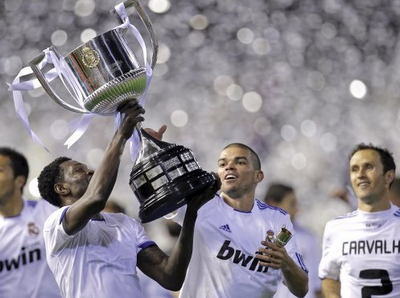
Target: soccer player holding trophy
<point x="89" y="252"/>
<point x="242" y="246"/>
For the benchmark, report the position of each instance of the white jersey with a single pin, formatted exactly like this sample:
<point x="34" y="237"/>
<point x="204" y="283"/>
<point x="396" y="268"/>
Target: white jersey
<point x="310" y="249"/>
<point x="362" y="251"/>
<point x="223" y="263"/>
<point x="24" y="272"/>
<point x="98" y="261"/>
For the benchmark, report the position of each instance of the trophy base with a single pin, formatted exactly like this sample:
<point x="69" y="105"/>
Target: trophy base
<point x="106" y="99"/>
<point x="165" y="180"/>
<point x="172" y="197"/>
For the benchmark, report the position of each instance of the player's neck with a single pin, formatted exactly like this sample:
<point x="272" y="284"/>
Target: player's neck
<point x="244" y="203"/>
<point x="380" y="205"/>
<point x="12" y="206"/>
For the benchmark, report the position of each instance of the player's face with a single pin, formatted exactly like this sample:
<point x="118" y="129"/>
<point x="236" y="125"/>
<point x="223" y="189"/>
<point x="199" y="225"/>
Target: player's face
<point x="76" y="177"/>
<point x="236" y="171"/>
<point x="8" y="183"/>
<point x="366" y="174"/>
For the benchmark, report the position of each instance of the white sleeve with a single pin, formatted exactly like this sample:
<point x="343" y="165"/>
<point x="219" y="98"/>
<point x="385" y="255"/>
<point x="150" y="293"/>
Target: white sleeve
<point x="54" y="234"/>
<point x="328" y="267"/>
<point x="142" y="239"/>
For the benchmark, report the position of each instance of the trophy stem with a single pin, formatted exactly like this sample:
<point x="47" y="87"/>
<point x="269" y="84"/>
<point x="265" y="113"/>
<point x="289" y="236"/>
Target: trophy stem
<point x="148" y="144"/>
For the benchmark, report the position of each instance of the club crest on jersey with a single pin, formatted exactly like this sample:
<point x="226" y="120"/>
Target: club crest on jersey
<point x="270" y="235"/>
<point x="33" y="230"/>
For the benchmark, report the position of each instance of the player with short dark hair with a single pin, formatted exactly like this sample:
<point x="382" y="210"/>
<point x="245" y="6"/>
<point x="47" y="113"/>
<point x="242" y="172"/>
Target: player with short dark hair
<point x="22" y="248"/>
<point x="361" y="249"/>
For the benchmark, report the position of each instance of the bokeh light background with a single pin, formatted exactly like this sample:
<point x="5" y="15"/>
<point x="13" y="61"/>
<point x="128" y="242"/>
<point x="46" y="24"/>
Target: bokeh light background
<point x="301" y="82"/>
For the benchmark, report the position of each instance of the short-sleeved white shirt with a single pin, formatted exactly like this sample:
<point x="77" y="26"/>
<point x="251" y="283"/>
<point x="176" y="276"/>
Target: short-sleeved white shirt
<point x="24" y="272"/>
<point x="223" y="263"/>
<point x="98" y="261"/>
<point x="362" y="251"/>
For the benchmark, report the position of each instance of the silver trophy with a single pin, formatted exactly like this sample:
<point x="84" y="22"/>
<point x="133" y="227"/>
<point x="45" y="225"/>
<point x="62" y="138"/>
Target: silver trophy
<point x="103" y="73"/>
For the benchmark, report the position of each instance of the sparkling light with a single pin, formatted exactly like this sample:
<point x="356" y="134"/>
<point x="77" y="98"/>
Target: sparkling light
<point x="234" y="92"/>
<point x="159" y="6"/>
<point x="199" y="22"/>
<point x="84" y="8"/>
<point x="88" y="34"/>
<point x="245" y="35"/>
<point x="164" y="53"/>
<point x="221" y="84"/>
<point x="179" y="118"/>
<point x="288" y="132"/>
<point x="252" y="101"/>
<point x="261" y="46"/>
<point x="196" y="38"/>
<point x="59" y="37"/>
<point x="358" y="89"/>
<point x="308" y="128"/>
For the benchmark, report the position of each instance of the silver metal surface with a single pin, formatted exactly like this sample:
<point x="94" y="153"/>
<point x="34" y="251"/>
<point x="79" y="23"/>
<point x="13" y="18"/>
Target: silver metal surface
<point x="103" y="71"/>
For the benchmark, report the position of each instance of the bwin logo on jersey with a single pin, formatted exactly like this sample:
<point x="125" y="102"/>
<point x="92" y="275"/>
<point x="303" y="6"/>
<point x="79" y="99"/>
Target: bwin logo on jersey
<point x="226" y="252"/>
<point x="23" y="259"/>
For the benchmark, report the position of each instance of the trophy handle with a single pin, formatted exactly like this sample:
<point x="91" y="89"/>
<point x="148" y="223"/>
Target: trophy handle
<point x="146" y="20"/>
<point x="45" y="84"/>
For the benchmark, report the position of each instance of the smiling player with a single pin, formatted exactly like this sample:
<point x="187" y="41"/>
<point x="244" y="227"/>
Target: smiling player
<point x="361" y="250"/>
<point x="227" y="261"/>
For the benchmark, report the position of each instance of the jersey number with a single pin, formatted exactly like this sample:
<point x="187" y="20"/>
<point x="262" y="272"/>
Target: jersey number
<point x="383" y="275"/>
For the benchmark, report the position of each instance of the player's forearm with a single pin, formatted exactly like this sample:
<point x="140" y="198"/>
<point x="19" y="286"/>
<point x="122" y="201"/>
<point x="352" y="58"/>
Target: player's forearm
<point x="99" y="189"/>
<point x="296" y="280"/>
<point x="178" y="261"/>
<point x="105" y="176"/>
<point x="330" y="288"/>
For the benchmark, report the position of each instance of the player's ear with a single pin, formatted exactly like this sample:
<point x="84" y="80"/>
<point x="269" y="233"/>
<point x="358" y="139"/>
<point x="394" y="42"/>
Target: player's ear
<point x="20" y="180"/>
<point x="259" y="176"/>
<point x="389" y="176"/>
<point x="61" y="189"/>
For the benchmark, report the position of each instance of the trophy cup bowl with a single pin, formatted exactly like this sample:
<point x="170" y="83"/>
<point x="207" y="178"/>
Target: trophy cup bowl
<point x="108" y="81"/>
<point x="103" y="72"/>
<point x="164" y="177"/>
